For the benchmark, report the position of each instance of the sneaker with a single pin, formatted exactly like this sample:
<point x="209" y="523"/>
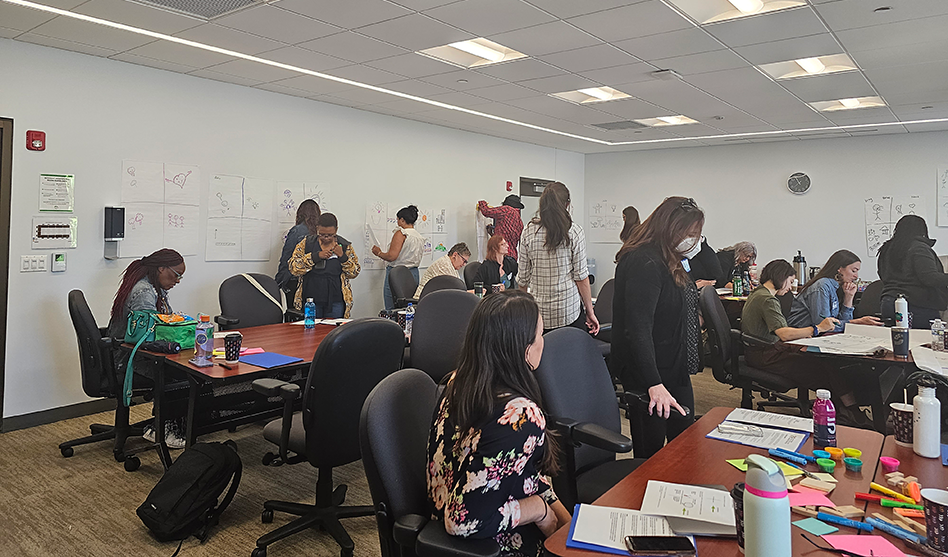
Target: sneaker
<point x="148" y="433"/>
<point x="174" y="436"/>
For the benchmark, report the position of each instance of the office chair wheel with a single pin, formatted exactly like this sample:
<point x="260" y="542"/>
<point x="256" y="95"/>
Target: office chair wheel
<point x="132" y="463"/>
<point x="266" y="517"/>
<point x="268" y="459"/>
<point x="66" y="451"/>
<point x="119" y="455"/>
<point x="259" y="552"/>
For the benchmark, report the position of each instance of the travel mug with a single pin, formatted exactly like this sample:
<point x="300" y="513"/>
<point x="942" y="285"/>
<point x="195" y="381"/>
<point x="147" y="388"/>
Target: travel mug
<point x="900" y="342"/>
<point x="232" y="347"/>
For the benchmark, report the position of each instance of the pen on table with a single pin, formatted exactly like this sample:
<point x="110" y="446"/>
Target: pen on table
<point x="805" y="473"/>
<point x="225" y="366"/>
<point x="833" y="519"/>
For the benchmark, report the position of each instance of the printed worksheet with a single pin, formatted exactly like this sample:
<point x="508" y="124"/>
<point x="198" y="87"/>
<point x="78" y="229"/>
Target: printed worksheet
<point x="608" y="526"/>
<point x="688" y="501"/>
<point x="770" y="438"/>
<point x="770" y="419"/>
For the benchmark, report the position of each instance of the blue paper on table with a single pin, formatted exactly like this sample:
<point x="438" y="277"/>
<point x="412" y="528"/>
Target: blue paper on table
<point x="944" y="455"/>
<point x="267" y="360"/>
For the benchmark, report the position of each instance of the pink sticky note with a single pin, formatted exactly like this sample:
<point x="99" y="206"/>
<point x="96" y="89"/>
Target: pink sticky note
<point x="864" y="545"/>
<point x="248" y="351"/>
<point x="809" y="497"/>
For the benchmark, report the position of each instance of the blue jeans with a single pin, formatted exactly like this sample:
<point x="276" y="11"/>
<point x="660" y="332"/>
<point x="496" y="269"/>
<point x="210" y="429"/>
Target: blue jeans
<point x="387" y="292"/>
<point x="333" y="310"/>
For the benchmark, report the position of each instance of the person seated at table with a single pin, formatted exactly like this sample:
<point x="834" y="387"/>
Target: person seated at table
<point x="144" y="287"/>
<point x="449" y="264"/>
<point x="498" y="267"/>
<point x="490" y="450"/>
<point x="406" y="248"/>
<point x="819" y="299"/>
<point x="738" y="257"/>
<point x="703" y="266"/>
<point x="630" y="219"/>
<point x="307" y="219"/>
<point x="909" y="266"/>
<point x="325" y="262"/>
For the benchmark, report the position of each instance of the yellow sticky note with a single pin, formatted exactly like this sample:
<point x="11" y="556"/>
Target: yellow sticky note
<point x="738" y="463"/>
<point x="788" y="470"/>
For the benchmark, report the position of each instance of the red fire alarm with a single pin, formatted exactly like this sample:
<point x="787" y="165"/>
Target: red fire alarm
<point x="509" y="185"/>
<point x="36" y="140"/>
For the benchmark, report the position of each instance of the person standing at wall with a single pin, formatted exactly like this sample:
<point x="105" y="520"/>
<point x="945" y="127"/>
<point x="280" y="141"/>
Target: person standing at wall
<point x="406" y="249"/>
<point x="307" y="219"/>
<point x="552" y="263"/>
<point x="630" y="219"/>
<point x="908" y="266"/>
<point x="507" y="220"/>
<point x="325" y="262"/>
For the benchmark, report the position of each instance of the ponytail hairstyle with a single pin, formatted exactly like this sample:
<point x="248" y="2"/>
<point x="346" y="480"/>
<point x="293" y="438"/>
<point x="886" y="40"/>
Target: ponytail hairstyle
<point x="308" y="212"/>
<point x="553" y="215"/>
<point x="670" y="223"/>
<point x="142" y="268"/>
<point x="408" y="214"/>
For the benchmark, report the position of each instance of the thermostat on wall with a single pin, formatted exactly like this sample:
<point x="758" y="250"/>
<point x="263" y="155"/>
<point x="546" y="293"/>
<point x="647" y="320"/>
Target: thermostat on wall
<point x="59" y="262"/>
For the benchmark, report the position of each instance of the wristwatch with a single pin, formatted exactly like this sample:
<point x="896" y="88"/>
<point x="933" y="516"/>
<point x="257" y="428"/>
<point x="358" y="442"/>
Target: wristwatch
<point x="816" y="331"/>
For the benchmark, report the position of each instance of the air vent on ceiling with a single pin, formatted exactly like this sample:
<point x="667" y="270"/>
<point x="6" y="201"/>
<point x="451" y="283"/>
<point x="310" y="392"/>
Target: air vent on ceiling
<point x="623" y="125"/>
<point x="204" y="9"/>
<point x="864" y="130"/>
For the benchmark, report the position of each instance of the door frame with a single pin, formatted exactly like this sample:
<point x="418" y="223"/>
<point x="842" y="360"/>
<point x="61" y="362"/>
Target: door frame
<point x="6" y="186"/>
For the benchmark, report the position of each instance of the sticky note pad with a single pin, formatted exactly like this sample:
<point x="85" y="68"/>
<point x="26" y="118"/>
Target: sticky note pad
<point x="738" y="463"/>
<point x="864" y="545"/>
<point x="802" y="497"/>
<point x="816" y="527"/>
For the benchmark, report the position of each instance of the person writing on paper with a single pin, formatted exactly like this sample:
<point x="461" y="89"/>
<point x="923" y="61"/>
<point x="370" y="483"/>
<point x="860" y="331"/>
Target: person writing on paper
<point x="498" y="267"/>
<point x="909" y="266"/>
<point x="449" y="264"/>
<point x="630" y="219"/>
<point x="507" y="221"/>
<point x="655" y="324"/>
<point x="307" y="219"/>
<point x="490" y="450"/>
<point x="325" y="262"/>
<point x="406" y="249"/>
<point x="819" y="298"/>
<point x="738" y="257"/>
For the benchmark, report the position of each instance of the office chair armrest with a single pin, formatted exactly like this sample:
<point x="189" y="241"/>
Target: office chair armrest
<point x="225" y="321"/>
<point x="274" y="387"/>
<point x="402" y="303"/>
<point x="434" y="541"/>
<point x="736" y="343"/>
<point x="605" y="327"/>
<point x="406" y="529"/>
<point x="597" y="436"/>
<point x="292" y="315"/>
<point x="751" y="340"/>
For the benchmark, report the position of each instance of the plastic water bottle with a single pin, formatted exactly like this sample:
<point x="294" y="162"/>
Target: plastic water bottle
<point x="901" y="312"/>
<point x="409" y="319"/>
<point x="926" y="431"/>
<point x="309" y="314"/>
<point x="766" y="509"/>
<point x="737" y="284"/>
<point x="204" y="341"/>
<point x="754" y="275"/>
<point x="824" y="420"/>
<point x="938" y="335"/>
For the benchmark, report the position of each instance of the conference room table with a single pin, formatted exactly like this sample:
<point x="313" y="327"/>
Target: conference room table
<point x="691" y="458"/>
<point x="283" y="338"/>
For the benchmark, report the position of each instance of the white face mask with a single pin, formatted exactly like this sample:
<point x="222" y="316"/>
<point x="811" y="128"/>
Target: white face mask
<point x="689" y="247"/>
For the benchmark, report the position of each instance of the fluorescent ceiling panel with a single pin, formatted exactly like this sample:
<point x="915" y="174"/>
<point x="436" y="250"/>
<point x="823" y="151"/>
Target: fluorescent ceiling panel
<point x="848" y="104"/>
<point x="807" y="67"/>
<point x="667" y="121"/>
<point x="713" y="11"/>
<point x="475" y="53"/>
<point x="591" y="95"/>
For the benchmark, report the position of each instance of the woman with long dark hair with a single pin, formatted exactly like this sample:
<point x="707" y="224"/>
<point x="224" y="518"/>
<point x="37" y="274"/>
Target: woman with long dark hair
<point x="655" y="327"/>
<point x="406" y="248"/>
<point x="307" y="219"/>
<point x="552" y="260"/>
<point x="820" y="297"/>
<point x="630" y="219"/>
<point x="490" y="452"/>
<point x="909" y="266"/>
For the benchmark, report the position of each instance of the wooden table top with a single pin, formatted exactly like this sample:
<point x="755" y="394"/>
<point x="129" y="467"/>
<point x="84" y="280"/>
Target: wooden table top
<point x="283" y="338"/>
<point x="693" y="459"/>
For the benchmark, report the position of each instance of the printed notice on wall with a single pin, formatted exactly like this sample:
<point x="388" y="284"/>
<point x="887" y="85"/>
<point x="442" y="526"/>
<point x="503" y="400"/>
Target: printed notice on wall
<point x="57" y="193"/>
<point x="54" y="232"/>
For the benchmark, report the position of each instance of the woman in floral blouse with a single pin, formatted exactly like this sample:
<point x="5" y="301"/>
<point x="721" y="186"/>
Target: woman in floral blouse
<point x="489" y="452"/>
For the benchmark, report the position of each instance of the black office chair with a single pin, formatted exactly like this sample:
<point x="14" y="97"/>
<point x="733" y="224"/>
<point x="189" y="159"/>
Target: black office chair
<point x="786" y="304"/>
<point x="603" y="310"/>
<point x="100" y="380"/>
<point x="403" y="286"/>
<point x="870" y="303"/>
<point x="393" y="431"/>
<point x="348" y="364"/>
<point x="470" y="271"/>
<point x="243" y="305"/>
<point x="441" y="282"/>
<point x="579" y="396"/>
<point x="438" y="331"/>
<point x="727" y="367"/>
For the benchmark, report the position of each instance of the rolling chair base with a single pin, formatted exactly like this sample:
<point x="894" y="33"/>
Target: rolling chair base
<point x="119" y="433"/>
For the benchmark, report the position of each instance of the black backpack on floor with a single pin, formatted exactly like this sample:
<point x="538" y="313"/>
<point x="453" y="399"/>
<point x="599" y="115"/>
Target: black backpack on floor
<point x="184" y="502"/>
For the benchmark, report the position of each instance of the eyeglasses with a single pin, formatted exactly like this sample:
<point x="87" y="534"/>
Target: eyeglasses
<point x="177" y="276"/>
<point x="464" y="260"/>
<point x="326" y="236"/>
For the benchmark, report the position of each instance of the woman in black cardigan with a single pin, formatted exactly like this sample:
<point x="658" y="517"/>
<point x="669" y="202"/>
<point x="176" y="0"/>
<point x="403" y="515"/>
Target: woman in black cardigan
<point x="655" y="321"/>
<point x="909" y="266"/>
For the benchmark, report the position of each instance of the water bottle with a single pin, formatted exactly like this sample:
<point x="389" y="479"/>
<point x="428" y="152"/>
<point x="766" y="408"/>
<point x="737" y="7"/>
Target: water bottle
<point x="204" y="341"/>
<point x="938" y="335"/>
<point x="409" y="319"/>
<point x="766" y="509"/>
<point x="901" y="312"/>
<point x="926" y="431"/>
<point x="799" y="266"/>
<point x="309" y="314"/>
<point x="754" y="275"/>
<point x="824" y="420"/>
<point x="747" y="283"/>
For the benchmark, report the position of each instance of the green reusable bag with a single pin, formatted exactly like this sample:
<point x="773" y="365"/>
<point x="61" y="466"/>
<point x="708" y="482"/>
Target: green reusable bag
<point x="173" y="329"/>
<point x="140" y="323"/>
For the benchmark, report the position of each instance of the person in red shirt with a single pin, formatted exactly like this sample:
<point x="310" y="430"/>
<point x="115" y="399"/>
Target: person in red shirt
<point x="507" y="221"/>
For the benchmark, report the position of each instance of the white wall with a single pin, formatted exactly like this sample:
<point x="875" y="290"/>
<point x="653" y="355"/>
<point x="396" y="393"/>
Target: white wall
<point x="97" y="112"/>
<point x="743" y="191"/>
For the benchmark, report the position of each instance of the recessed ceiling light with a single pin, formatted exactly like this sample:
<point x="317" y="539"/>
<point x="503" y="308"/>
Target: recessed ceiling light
<point x="848" y="104"/>
<point x="667" y="121"/>
<point x="882" y="9"/>
<point x="473" y="53"/>
<point x="591" y="95"/>
<point x="462" y="81"/>
<point x="713" y="11"/>
<point x="806" y="67"/>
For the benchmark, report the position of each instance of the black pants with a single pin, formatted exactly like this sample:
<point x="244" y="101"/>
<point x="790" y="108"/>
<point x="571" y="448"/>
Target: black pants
<point x="920" y="317"/>
<point x="580" y="322"/>
<point x="650" y="432"/>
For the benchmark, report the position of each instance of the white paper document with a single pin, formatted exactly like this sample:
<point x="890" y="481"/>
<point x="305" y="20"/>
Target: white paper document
<point x="928" y="360"/>
<point x="917" y="337"/>
<point x="771" y="438"/>
<point x="608" y="526"/>
<point x="688" y="501"/>
<point x="857" y="345"/>
<point x="770" y="419"/>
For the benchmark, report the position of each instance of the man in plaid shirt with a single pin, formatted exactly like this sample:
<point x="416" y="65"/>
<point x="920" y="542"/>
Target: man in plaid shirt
<point x="507" y="221"/>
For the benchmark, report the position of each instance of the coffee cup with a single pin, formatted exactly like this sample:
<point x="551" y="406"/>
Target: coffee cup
<point x="936" y="518"/>
<point x="903" y="416"/>
<point x="900" y="342"/>
<point x="232" y="347"/>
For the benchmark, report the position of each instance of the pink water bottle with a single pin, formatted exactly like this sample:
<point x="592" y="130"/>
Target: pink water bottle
<point x="824" y="420"/>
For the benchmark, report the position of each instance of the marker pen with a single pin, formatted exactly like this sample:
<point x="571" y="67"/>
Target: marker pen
<point x="833" y="519"/>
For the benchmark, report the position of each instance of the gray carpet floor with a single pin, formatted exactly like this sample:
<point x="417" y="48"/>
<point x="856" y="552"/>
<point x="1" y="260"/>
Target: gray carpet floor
<point x="85" y="505"/>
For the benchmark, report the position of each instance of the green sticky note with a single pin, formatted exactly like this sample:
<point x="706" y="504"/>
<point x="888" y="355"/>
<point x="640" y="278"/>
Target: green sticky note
<point x="738" y="463"/>
<point x="815" y="527"/>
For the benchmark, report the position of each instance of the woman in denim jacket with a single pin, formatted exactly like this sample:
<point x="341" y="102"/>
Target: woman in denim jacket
<point x="820" y="297"/>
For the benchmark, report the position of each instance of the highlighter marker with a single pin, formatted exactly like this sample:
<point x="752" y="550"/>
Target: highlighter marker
<point x="873" y="498"/>
<point x="890" y="493"/>
<point x="890" y="504"/>
<point x="786" y="456"/>
<point x="833" y="519"/>
<point x="896" y="531"/>
<point x="798" y="455"/>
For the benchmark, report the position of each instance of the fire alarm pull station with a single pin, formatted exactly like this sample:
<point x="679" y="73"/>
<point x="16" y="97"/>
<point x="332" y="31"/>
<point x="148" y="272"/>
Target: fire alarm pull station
<point x="36" y="140"/>
<point x="509" y="185"/>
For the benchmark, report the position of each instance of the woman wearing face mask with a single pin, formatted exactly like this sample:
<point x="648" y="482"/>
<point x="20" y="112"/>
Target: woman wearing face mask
<point x="819" y="299"/>
<point x="909" y="266"/>
<point x="655" y="326"/>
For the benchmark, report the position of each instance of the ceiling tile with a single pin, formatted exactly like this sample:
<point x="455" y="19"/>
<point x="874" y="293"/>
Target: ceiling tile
<point x="933" y="127"/>
<point x="768" y="27"/>
<point x="417" y="88"/>
<point x="217" y="76"/>
<point x="521" y="70"/>
<point x="419" y="5"/>
<point x="621" y="75"/>
<point x="7" y="33"/>
<point x="463" y="100"/>
<point x="861" y="116"/>
<point x="738" y="83"/>
<point x="65" y="45"/>
<point x="315" y="85"/>
<point x="415" y="32"/>
<point x="929" y="51"/>
<point x="557" y="108"/>
<point x="893" y="34"/>
<point x="547" y="38"/>
<point x="676" y="96"/>
<point x="306" y="59"/>
<point x="504" y="92"/>
<point x="23" y="19"/>
<point x="365" y="74"/>
<point x="277" y="88"/>
<point x="354" y="47"/>
<point x="667" y="45"/>
<point x="277" y="24"/>
<point x="571" y="8"/>
<point x="223" y="37"/>
<point x="347" y="14"/>
<point x="916" y="112"/>
<point x="471" y="80"/>
<point x="180" y="54"/>
<point x="790" y="49"/>
<point x="138" y="15"/>
<point x="252" y="70"/>
<point x="733" y="119"/>
<point x="704" y="62"/>
<point x="560" y="83"/>
<point x="412" y="65"/>
<point x="590" y="58"/>
<point x="830" y="87"/>
<point x="898" y="83"/>
<point x="159" y="64"/>
<point x="637" y="20"/>
<point x="364" y="96"/>
<point x="77" y="31"/>
<point x="850" y="14"/>
<point x="490" y="17"/>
